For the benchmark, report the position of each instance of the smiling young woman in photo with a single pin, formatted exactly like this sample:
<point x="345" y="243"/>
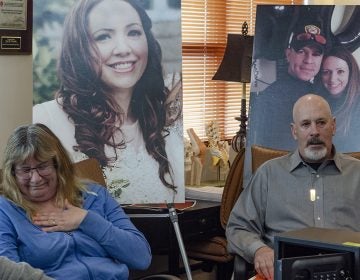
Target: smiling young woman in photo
<point x="340" y="77"/>
<point x="335" y="75"/>
<point x="112" y="103"/>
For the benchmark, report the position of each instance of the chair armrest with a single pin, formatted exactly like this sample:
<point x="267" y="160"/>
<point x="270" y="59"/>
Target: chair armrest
<point x="242" y="269"/>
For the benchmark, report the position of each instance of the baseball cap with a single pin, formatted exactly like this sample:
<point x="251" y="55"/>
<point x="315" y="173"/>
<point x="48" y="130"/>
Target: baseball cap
<point x="309" y="35"/>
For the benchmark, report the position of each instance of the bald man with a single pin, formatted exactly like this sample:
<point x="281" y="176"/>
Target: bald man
<point x="277" y="199"/>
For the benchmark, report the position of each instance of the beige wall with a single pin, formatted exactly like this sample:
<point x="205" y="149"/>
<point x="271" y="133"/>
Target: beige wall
<point x="15" y="94"/>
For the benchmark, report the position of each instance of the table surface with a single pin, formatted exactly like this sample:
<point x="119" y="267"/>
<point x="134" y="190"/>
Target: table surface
<point x="322" y="235"/>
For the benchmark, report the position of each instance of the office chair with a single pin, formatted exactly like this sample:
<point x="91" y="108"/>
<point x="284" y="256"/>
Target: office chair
<point x="213" y="251"/>
<point x="90" y="169"/>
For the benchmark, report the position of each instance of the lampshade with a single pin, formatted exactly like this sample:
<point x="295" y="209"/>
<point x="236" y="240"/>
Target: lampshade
<point x="236" y="63"/>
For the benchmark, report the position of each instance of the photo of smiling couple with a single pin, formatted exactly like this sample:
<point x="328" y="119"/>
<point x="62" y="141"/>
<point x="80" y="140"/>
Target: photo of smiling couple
<point x="111" y="90"/>
<point x="302" y="49"/>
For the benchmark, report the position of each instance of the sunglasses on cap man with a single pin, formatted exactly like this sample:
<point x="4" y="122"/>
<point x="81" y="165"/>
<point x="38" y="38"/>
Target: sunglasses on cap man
<point x="311" y="37"/>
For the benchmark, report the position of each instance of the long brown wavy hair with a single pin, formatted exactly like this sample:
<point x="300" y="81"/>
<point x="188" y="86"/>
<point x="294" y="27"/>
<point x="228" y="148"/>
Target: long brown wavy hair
<point x="84" y="97"/>
<point x="352" y="90"/>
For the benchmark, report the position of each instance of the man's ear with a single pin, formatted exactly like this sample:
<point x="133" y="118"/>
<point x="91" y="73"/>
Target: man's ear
<point x="287" y="53"/>
<point x="293" y="131"/>
<point x="334" y="126"/>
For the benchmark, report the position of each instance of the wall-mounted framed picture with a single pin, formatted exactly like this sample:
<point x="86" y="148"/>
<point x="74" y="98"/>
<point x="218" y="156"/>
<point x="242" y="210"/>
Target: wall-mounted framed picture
<point x="16" y="26"/>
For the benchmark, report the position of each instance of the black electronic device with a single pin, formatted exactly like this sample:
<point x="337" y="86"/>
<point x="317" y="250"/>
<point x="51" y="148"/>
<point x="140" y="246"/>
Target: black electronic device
<point x="337" y="266"/>
<point x="317" y="254"/>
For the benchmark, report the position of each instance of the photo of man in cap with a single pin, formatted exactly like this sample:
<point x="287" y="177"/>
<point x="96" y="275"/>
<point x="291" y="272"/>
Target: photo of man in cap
<point x="290" y="43"/>
<point x="304" y="53"/>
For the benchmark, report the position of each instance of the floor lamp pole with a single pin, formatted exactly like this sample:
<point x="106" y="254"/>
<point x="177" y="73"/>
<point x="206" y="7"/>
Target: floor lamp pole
<point x="238" y="141"/>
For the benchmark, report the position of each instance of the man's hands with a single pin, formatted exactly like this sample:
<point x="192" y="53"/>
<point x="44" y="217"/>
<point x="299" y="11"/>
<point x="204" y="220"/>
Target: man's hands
<point x="67" y="219"/>
<point x="264" y="262"/>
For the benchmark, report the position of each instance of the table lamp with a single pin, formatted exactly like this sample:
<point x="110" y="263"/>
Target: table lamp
<point x="236" y="67"/>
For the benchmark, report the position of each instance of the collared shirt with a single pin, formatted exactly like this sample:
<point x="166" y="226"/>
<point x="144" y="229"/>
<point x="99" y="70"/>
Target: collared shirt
<point x="287" y="194"/>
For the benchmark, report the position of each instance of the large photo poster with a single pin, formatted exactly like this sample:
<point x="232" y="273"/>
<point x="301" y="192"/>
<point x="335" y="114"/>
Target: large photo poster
<point x="308" y="49"/>
<point x="107" y="82"/>
<point x="300" y="50"/>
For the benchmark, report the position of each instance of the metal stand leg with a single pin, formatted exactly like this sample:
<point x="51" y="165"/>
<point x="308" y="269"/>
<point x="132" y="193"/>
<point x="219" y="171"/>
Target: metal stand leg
<point x="174" y="219"/>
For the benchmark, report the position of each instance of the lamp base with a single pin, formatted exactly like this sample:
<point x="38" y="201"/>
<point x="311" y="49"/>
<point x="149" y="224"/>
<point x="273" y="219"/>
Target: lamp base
<point x="239" y="140"/>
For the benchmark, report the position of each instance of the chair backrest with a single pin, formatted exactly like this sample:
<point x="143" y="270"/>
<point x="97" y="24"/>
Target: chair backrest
<point x="90" y="169"/>
<point x="261" y="154"/>
<point x="354" y="154"/>
<point x="233" y="187"/>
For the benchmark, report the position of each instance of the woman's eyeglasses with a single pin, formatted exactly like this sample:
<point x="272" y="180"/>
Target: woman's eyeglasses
<point x="43" y="169"/>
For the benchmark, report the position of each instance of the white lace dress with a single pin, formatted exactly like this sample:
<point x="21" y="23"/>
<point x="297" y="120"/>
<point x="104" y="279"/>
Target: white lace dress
<point x="133" y="177"/>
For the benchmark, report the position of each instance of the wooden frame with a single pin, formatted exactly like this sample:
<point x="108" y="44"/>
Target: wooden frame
<point x="16" y="33"/>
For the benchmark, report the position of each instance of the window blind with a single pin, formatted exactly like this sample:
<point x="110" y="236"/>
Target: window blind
<point x="205" y="25"/>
